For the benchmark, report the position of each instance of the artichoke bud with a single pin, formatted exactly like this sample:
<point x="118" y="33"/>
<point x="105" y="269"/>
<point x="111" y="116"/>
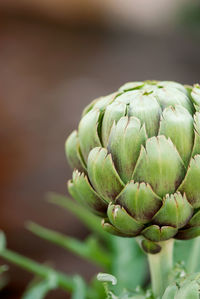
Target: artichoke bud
<point x="137" y="155"/>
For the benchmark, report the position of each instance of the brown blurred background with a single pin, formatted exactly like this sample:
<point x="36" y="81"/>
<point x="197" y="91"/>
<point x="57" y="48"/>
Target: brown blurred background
<point x="55" y="57"/>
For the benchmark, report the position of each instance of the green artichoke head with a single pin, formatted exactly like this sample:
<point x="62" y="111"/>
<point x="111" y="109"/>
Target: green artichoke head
<point x="136" y="161"/>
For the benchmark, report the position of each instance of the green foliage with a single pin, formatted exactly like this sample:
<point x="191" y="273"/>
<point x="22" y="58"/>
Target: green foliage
<point x="39" y="288"/>
<point x="121" y="257"/>
<point x="187" y="287"/>
<point x="3" y="277"/>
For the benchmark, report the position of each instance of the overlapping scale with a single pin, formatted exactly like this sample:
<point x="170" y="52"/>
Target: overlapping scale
<point x="125" y="140"/>
<point x="138" y="152"/>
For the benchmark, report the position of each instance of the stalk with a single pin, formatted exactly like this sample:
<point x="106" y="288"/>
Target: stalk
<point x="64" y="281"/>
<point x="160" y="267"/>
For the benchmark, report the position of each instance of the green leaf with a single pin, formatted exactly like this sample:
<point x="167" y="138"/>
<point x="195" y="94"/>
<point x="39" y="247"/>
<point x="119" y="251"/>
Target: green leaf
<point x="2" y="241"/>
<point x="182" y="251"/>
<point x="89" y="250"/>
<point x="80" y="288"/>
<point x="40" y="289"/>
<point x="193" y="264"/>
<point x="160" y="165"/>
<point x="3" y="269"/>
<point x="103" y="175"/>
<point x="64" y="281"/>
<point x="170" y="292"/>
<point x="3" y="278"/>
<point x="189" y="290"/>
<point x="89" y="219"/>
<point x="129" y="262"/>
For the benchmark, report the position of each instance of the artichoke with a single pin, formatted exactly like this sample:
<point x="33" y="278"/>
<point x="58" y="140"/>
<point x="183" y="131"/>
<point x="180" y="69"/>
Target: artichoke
<point x="136" y="161"/>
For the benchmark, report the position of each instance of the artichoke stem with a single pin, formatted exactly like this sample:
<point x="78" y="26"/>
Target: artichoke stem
<point x="160" y="267"/>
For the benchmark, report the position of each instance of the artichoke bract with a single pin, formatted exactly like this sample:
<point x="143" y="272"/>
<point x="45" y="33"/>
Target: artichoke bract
<point x="136" y="160"/>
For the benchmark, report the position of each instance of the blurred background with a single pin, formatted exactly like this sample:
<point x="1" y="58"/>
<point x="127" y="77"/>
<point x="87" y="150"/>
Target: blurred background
<point x="55" y="57"/>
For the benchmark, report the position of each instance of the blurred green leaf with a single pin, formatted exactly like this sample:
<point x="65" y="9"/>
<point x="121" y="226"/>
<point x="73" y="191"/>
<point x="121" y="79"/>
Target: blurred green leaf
<point x="96" y="290"/>
<point x="189" y="291"/>
<point x="170" y="292"/>
<point x="90" y="220"/>
<point x="129" y="263"/>
<point x="2" y="241"/>
<point x="3" y="269"/>
<point x="90" y="250"/>
<point x="189" y="252"/>
<point x="39" y="289"/>
<point x="3" y="278"/>
<point x="64" y="281"/>
<point x="80" y="289"/>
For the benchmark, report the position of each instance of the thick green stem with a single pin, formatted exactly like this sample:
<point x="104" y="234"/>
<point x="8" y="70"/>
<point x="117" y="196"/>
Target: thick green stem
<point x="160" y="266"/>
